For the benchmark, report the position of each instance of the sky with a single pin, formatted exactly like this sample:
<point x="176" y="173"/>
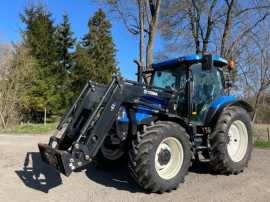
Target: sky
<point x="79" y="12"/>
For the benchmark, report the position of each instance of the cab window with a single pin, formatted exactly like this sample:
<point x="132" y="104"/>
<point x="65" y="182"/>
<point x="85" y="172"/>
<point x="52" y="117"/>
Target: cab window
<point x="206" y="87"/>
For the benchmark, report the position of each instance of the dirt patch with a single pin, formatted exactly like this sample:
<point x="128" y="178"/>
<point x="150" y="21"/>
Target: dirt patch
<point x="23" y="177"/>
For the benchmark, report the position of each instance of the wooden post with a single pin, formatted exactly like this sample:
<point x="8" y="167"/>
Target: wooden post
<point x="268" y="134"/>
<point x="45" y="116"/>
<point x="3" y="121"/>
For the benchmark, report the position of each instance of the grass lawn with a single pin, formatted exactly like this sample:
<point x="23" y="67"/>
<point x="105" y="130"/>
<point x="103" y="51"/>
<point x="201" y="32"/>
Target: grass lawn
<point x="260" y="132"/>
<point x="261" y="144"/>
<point x="261" y="136"/>
<point x="31" y="128"/>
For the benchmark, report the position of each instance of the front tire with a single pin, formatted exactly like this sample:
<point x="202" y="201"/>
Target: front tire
<point x="232" y="141"/>
<point x="160" y="157"/>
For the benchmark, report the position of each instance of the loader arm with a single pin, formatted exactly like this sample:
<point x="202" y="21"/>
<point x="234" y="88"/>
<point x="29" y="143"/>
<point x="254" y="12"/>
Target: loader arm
<point x="93" y="119"/>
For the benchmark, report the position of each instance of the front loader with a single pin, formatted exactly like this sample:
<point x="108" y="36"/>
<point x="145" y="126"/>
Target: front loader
<point x="184" y="113"/>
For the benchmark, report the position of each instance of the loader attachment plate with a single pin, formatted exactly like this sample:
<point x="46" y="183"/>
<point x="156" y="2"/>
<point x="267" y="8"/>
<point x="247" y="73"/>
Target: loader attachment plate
<point x="58" y="159"/>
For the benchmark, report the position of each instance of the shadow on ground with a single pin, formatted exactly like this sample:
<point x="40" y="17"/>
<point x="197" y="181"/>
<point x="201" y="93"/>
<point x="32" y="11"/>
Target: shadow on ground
<point x="37" y="175"/>
<point x="119" y="178"/>
<point x="201" y="168"/>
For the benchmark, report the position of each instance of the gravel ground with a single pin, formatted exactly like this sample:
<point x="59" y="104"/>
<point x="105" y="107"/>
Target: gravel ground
<point x="23" y="177"/>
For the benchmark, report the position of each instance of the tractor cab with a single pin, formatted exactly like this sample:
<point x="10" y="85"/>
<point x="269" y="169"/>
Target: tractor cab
<point x="198" y="80"/>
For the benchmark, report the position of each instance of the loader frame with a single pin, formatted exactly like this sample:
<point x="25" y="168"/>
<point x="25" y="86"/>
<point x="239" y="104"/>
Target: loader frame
<point x="94" y="118"/>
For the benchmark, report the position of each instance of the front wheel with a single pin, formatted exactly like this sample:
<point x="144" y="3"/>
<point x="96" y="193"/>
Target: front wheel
<point x="160" y="156"/>
<point x="232" y="141"/>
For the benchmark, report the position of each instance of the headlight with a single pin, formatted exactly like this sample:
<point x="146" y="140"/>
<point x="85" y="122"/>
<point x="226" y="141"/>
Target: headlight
<point x="121" y="113"/>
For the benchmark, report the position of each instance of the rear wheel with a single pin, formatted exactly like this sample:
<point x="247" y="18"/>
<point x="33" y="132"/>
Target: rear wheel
<point x="160" y="156"/>
<point x="232" y="141"/>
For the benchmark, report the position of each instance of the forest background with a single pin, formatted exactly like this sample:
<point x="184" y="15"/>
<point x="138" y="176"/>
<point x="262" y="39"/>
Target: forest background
<point x="41" y="74"/>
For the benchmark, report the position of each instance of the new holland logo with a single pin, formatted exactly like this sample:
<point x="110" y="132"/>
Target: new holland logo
<point x="148" y="92"/>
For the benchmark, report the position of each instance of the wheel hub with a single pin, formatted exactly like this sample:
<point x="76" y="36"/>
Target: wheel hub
<point x="237" y="141"/>
<point x="164" y="157"/>
<point x="169" y="158"/>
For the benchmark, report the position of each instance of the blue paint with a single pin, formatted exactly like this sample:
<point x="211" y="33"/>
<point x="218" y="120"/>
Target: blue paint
<point x="142" y="113"/>
<point x="189" y="58"/>
<point x="168" y="62"/>
<point x="145" y="112"/>
<point x="221" y="100"/>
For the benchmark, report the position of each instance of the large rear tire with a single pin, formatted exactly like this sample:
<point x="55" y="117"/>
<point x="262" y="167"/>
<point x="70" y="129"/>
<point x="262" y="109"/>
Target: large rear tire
<point x="232" y="141"/>
<point x="160" y="157"/>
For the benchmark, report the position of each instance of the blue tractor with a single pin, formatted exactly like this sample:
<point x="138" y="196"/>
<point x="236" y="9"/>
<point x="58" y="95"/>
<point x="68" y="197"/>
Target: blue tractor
<point x="184" y="114"/>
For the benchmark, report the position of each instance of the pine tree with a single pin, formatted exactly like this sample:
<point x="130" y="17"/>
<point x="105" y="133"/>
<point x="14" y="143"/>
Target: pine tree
<point x="65" y="42"/>
<point x="100" y="49"/>
<point x="39" y="38"/>
<point x="23" y="68"/>
<point x="81" y="72"/>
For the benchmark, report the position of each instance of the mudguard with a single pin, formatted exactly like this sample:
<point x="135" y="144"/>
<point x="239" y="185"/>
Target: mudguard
<point x="174" y="118"/>
<point x="216" y="110"/>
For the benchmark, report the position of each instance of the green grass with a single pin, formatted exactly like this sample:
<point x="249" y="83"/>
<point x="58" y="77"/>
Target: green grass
<point x="31" y="128"/>
<point x="261" y="144"/>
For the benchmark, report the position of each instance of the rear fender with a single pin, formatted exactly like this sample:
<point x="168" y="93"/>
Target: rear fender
<point x="214" y="114"/>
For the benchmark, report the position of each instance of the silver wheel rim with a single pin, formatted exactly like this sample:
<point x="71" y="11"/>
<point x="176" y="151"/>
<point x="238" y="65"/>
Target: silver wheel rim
<point x="238" y="141"/>
<point x="172" y="168"/>
<point x="111" y="154"/>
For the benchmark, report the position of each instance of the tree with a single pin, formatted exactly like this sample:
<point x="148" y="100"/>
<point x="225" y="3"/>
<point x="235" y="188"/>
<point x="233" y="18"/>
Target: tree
<point x="64" y="42"/>
<point x="100" y="48"/>
<point x="140" y="17"/>
<point x="16" y="78"/>
<point x="39" y="38"/>
<point x="82" y="70"/>
<point x="22" y="74"/>
<point x="94" y="58"/>
<point x="217" y="27"/>
<point x="8" y="93"/>
<point x="255" y="69"/>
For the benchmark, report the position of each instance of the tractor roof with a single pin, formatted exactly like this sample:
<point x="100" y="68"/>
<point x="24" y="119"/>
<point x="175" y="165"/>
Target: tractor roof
<point x="216" y="59"/>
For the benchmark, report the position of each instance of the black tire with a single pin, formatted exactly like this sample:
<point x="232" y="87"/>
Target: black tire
<point x="110" y="157"/>
<point x="152" y="169"/>
<point x="232" y="141"/>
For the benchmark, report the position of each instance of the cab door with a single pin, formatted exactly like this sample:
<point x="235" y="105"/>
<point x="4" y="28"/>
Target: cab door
<point x="206" y="86"/>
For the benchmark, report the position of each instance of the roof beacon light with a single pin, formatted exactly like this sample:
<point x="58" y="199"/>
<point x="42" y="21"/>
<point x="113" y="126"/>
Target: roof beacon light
<point x="231" y="64"/>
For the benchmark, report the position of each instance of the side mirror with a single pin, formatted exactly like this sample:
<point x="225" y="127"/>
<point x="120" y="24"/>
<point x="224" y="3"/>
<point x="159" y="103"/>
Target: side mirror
<point x="207" y="62"/>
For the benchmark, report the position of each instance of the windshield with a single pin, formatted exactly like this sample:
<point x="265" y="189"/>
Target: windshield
<point x="172" y="77"/>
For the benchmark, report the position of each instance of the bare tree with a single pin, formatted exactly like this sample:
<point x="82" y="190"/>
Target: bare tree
<point x="140" y="17"/>
<point x="214" y="26"/>
<point x="255" y="69"/>
<point x="8" y="94"/>
<point x="240" y="21"/>
<point x="15" y="79"/>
